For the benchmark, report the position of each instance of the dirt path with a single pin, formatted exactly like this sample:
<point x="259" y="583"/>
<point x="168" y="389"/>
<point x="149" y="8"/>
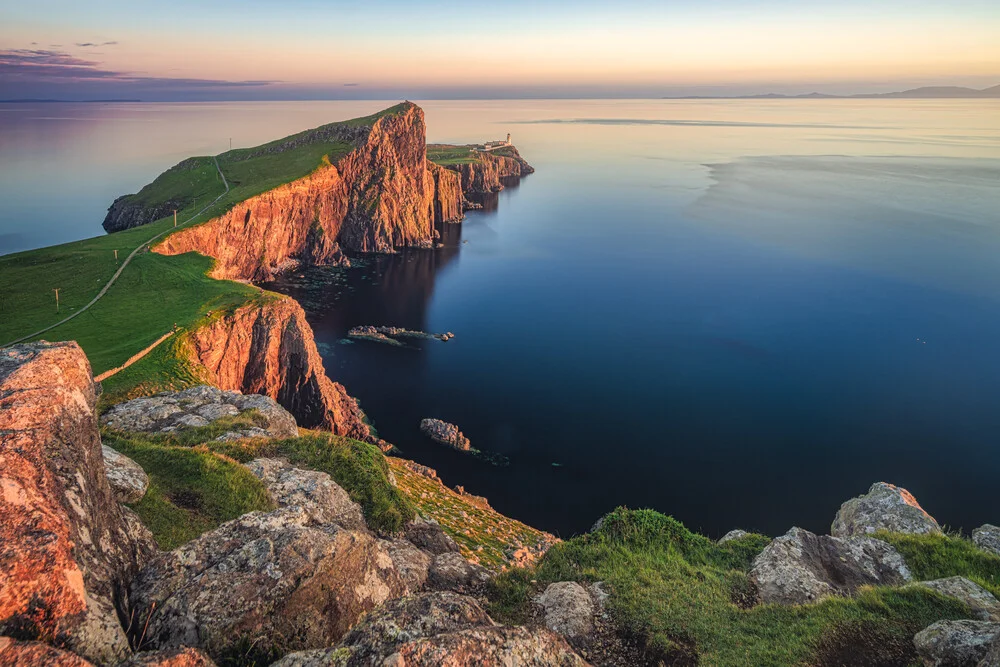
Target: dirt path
<point x="128" y="259"/>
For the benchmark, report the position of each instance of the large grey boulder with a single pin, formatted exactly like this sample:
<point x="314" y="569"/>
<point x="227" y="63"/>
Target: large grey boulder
<point x="413" y="564"/>
<point x="884" y="507"/>
<point x="277" y="579"/>
<point x="313" y="491"/>
<point x="956" y="643"/>
<point x="429" y="536"/>
<point x="801" y="567"/>
<point x="451" y="572"/>
<point x="200" y="406"/>
<point x="982" y="603"/>
<point x="127" y="478"/>
<point x="568" y="610"/>
<point x="733" y="535"/>
<point x="987" y="538"/>
<point x="434" y="629"/>
<point x="992" y="657"/>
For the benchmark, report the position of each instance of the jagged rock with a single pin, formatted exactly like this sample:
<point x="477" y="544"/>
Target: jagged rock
<point x="445" y="433"/>
<point x="197" y="406"/>
<point x="884" y="507"/>
<point x="801" y="567"/>
<point x="14" y="653"/>
<point x="489" y="171"/>
<point x="429" y="536"/>
<point x="987" y="538"/>
<point x="178" y="657"/>
<point x="983" y="604"/>
<point x="68" y="549"/>
<point x="274" y="577"/>
<point x="733" y="535"/>
<point x="569" y="610"/>
<point x="438" y="629"/>
<point x="412" y="563"/>
<point x="451" y="572"/>
<point x="315" y="492"/>
<point x="127" y="478"/>
<point x="956" y="643"/>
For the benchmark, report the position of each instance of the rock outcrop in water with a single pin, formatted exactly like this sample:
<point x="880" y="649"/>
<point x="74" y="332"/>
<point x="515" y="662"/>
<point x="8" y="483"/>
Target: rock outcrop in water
<point x="445" y="433"/>
<point x="269" y="349"/>
<point x="68" y="550"/>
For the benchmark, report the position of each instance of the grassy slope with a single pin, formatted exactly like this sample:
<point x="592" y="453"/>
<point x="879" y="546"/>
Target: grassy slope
<point x="446" y="154"/>
<point x="154" y="292"/>
<point x="680" y="592"/>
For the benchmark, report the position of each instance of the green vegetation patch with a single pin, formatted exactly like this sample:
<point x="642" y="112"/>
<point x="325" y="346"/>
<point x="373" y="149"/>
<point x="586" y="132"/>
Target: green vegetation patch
<point x="938" y="556"/>
<point x="191" y="490"/>
<point x="193" y="180"/>
<point x="689" y="600"/>
<point x="447" y="155"/>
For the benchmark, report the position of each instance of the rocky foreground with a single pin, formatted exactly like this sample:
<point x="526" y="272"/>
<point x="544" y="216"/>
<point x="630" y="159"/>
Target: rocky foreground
<point x="308" y="582"/>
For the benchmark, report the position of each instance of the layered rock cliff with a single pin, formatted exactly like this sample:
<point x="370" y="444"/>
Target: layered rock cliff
<point x="68" y="550"/>
<point x="269" y="349"/>
<point x="488" y="173"/>
<point x="448" y="194"/>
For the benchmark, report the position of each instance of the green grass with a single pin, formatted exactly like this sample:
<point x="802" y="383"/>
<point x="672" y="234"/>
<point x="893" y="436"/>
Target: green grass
<point x="191" y="490"/>
<point x="192" y="180"/>
<point x="446" y="155"/>
<point x="939" y="556"/>
<point x="685" y="597"/>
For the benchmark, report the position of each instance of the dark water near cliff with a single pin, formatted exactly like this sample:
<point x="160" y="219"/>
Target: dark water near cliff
<point x="739" y="313"/>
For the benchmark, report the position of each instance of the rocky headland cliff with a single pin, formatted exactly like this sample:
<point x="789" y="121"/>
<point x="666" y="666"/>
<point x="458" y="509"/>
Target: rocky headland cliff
<point x="488" y="171"/>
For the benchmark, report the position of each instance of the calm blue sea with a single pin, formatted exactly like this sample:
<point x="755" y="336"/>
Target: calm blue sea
<point x="740" y="313"/>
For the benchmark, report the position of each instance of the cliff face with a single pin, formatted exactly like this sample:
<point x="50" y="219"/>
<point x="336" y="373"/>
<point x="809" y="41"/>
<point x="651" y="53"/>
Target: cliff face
<point x="68" y="550"/>
<point x="488" y="173"/>
<point x="269" y="349"/>
<point x="448" y="195"/>
<point x="380" y="196"/>
<point x="125" y="213"/>
<point x="258" y="237"/>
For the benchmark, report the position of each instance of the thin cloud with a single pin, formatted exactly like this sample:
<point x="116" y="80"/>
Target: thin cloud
<point x="112" y="43"/>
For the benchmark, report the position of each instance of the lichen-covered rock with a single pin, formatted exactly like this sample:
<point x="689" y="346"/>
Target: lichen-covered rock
<point x="429" y="536"/>
<point x="445" y="433"/>
<point x="127" y="478"/>
<point x="413" y="564"/>
<point x="569" y="610"/>
<point x="987" y="538"/>
<point x="68" y="549"/>
<point x="198" y="406"/>
<point x="313" y="491"/>
<point x="981" y="602"/>
<point x="438" y="629"/>
<point x="992" y="657"/>
<point x="14" y="653"/>
<point x="956" y="643"/>
<point x="178" y="657"/>
<point x="275" y="579"/>
<point x="733" y="535"/>
<point x="884" y="507"/>
<point x="801" y="567"/>
<point x="451" y="572"/>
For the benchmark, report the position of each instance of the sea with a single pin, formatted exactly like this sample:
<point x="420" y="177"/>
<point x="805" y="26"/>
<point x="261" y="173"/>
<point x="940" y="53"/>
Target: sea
<point x="737" y="312"/>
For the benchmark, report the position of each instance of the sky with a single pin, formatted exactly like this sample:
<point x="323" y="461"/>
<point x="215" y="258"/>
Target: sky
<point x="389" y="49"/>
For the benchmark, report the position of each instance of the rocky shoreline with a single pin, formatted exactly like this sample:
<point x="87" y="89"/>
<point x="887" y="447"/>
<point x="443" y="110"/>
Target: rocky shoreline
<point x="389" y="335"/>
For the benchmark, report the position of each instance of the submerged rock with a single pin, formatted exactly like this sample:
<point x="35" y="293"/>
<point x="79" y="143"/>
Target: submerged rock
<point x="389" y="335"/>
<point x="884" y="507"/>
<point x="981" y="602"/>
<point x="801" y="567"/>
<point x="956" y="643"/>
<point x="198" y="406"/>
<point x="127" y="478"/>
<point x="987" y="538"/>
<point x="445" y="433"/>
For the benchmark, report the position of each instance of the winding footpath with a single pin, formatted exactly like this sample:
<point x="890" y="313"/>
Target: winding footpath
<point x="128" y="259"/>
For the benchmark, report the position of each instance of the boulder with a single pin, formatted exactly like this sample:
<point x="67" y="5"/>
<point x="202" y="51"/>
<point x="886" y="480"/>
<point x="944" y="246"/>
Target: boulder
<point x="438" y="629"/>
<point x="127" y="478"/>
<point x="412" y="563"/>
<point x="316" y="492"/>
<point x="987" y="538"/>
<point x="956" y="643"/>
<point x="200" y="406"/>
<point x="733" y="535"/>
<point x="981" y="602"/>
<point x="569" y="610"/>
<point x="179" y="657"/>
<point x="276" y="579"/>
<point x="992" y="657"/>
<point x="451" y="572"/>
<point x="429" y="536"/>
<point x="884" y="507"/>
<point x="445" y="434"/>
<point x="801" y="567"/>
<point x="14" y="653"/>
<point x="68" y="549"/>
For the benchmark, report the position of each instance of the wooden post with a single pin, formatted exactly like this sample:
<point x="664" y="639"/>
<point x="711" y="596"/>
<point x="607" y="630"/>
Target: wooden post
<point x="175" y="217"/>
<point x="56" y="290"/>
<point x="116" y="256"/>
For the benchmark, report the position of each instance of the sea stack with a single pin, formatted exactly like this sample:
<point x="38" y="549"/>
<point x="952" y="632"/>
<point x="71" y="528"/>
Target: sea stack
<point x="445" y="433"/>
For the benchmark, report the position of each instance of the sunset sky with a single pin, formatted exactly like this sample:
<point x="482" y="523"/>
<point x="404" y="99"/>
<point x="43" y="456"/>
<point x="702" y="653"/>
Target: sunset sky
<point x="306" y="49"/>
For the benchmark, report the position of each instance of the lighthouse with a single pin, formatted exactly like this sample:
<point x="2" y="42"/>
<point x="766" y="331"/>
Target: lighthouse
<point x="508" y="138"/>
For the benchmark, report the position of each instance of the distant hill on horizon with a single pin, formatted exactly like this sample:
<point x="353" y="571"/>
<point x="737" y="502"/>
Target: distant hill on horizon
<point x="926" y="92"/>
